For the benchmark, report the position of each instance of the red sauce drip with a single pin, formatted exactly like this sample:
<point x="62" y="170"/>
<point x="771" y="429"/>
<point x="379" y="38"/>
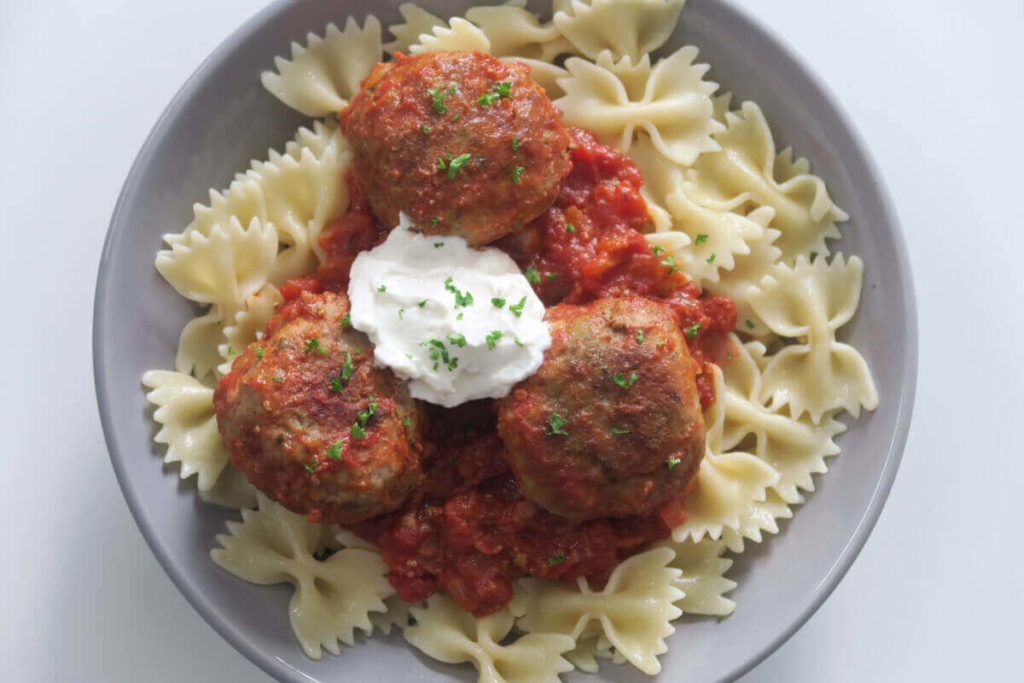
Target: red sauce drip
<point x="467" y="529"/>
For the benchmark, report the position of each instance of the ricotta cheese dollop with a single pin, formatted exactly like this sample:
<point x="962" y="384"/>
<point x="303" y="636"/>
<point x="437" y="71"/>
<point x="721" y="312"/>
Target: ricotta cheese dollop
<point x="458" y="323"/>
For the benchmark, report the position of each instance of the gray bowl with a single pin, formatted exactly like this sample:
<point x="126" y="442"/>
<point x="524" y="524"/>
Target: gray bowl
<point x="222" y="117"/>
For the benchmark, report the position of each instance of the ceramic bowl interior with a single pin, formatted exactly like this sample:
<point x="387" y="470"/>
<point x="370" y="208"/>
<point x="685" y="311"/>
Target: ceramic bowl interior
<point x="222" y="118"/>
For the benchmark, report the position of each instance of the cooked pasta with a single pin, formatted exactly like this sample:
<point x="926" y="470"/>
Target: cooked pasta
<point x="739" y="218"/>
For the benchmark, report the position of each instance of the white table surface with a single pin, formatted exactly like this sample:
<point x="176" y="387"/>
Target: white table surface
<point x="936" y="88"/>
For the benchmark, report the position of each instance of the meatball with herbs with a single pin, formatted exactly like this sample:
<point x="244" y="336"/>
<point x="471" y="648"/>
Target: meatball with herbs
<point x="312" y="423"/>
<point x="611" y="424"/>
<point x="460" y="142"/>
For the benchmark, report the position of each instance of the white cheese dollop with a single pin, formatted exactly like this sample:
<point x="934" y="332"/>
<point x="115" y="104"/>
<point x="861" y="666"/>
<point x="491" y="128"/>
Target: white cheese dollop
<point x="458" y="323"/>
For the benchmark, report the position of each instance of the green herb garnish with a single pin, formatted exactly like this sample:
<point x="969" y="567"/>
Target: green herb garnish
<point x="701" y="239"/>
<point x="314" y="345"/>
<point x="457" y="339"/>
<point x="334" y="452"/>
<point x="259" y="352"/>
<point x="619" y="432"/>
<point x="346" y="321"/>
<point x="532" y="275"/>
<point x="639" y="336"/>
<point x="488" y="99"/>
<point x="557" y="559"/>
<point x="498" y="303"/>
<point x="424" y="129"/>
<point x="711" y="259"/>
<point x="622" y="381"/>
<point x="517" y="309"/>
<point x="452" y="164"/>
<point x="382" y="289"/>
<point x="357" y="431"/>
<point x="750" y="324"/>
<point x="437" y="95"/>
<point x="492" y="338"/>
<point x="691" y="332"/>
<point x="570" y="228"/>
<point x="461" y="299"/>
<point x="557" y="422"/>
<point x="672" y="462"/>
<point x="517" y="174"/>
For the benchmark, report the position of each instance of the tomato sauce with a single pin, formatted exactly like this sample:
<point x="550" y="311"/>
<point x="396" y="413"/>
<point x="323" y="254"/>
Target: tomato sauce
<point x="468" y="529"/>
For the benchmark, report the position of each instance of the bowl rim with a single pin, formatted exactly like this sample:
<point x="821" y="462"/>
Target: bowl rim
<point x="277" y="668"/>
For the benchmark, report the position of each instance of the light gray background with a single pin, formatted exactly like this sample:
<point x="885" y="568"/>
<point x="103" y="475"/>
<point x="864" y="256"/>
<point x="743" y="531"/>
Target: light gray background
<point x="936" y="89"/>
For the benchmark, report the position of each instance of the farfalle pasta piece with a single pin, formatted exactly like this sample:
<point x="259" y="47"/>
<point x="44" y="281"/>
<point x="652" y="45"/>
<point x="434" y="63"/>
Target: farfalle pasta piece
<point x="810" y="301"/>
<point x="332" y="598"/>
<point x="198" y="343"/>
<point x="662" y="177"/>
<point x="727" y="485"/>
<point x="745" y="170"/>
<point x="459" y="34"/>
<point x="675" y="107"/>
<point x="302" y="195"/>
<point x="398" y="615"/>
<point x="248" y="325"/>
<point x="188" y="425"/>
<point x="449" y="634"/>
<point x="223" y="268"/>
<point x="629" y="28"/>
<point x="416" y="22"/>
<point x="232" y="491"/>
<point x="763" y="516"/>
<point x="748" y="270"/>
<point x="794" y="447"/>
<point x="634" y="610"/>
<point x="703" y="576"/>
<point x="322" y="76"/>
<point x="515" y="32"/>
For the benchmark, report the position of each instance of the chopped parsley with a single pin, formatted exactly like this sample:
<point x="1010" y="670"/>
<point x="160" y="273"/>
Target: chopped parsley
<point x="434" y="220"/>
<point x="658" y="250"/>
<point x="347" y="368"/>
<point x="277" y="379"/>
<point x="532" y="275"/>
<point x="407" y="421"/>
<point x="457" y="339"/>
<point x="557" y="422"/>
<point x="438" y="245"/>
<point x="461" y="299"/>
<point x="452" y="164"/>
<point x="488" y="98"/>
<point x="691" y="332"/>
<point x="363" y="416"/>
<point x="551" y="276"/>
<point x="661" y="343"/>
<point x="259" y="352"/>
<point x="382" y="289"/>
<point x="670" y="263"/>
<point x="517" y="173"/>
<point x="519" y="343"/>
<point x="459" y="316"/>
<point x="437" y="95"/>
<point x="492" y="338"/>
<point x="439" y="354"/>
<point x="750" y="324"/>
<point x="719" y="619"/>
<point x="422" y="303"/>
<point x="424" y="129"/>
<point x="334" y="452"/>
<point x="357" y="431"/>
<point x="621" y="380"/>
<point x="515" y="144"/>
<point x="231" y="351"/>
<point x="310" y="468"/>
<point x="337" y="386"/>
<point x="557" y="559"/>
<point x="346" y="321"/>
<point x="401" y="312"/>
<point x="672" y="462"/>
<point x="517" y="309"/>
<point x="711" y="259"/>
<point x="619" y="432"/>
<point x="639" y="336"/>
<point x="503" y="88"/>
<point x="570" y="228"/>
<point x="498" y="303"/>
<point x="314" y="345"/>
<point x="456" y="118"/>
<point x="701" y="239"/>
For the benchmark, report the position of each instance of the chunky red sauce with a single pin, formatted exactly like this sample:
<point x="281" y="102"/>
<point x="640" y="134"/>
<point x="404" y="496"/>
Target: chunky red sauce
<point x="467" y="528"/>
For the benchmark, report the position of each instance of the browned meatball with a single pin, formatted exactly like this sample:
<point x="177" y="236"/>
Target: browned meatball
<point x="461" y="142"/>
<point x="312" y="423"/>
<point x="611" y="424"/>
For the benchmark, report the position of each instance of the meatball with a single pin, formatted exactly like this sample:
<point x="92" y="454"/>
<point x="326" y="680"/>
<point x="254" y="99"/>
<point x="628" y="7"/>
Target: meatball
<point x="313" y="424"/>
<point x="611" y="424"/>
<point x="460" y="142"/>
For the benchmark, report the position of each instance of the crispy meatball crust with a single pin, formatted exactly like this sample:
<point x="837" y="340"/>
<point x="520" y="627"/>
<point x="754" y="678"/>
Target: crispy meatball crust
<point x="398" y="134"/>
<point x="597" y="468"/>
<point x="291" y="432"/>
